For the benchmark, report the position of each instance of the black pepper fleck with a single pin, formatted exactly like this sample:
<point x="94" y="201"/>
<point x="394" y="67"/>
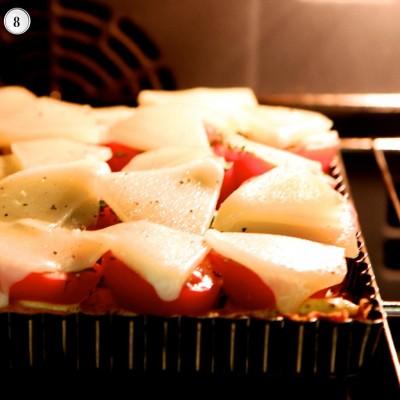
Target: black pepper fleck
<point x="53" y="207"/>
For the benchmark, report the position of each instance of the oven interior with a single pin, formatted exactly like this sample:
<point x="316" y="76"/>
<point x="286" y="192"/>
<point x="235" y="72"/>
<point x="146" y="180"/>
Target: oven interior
<point x="105" y="52"/>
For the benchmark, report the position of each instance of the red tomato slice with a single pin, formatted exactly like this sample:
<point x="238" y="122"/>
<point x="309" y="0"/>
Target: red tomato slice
<point x="106" y="217"/>
<point x="99" y="302"/>
<point x="121" y="155"/>
<point x="228" y="185"/>
<point x="325" y="155"/>
<point x="244" y="166"/>
<point x="56" y="288"/>
<point x="242" y="286"/>
<point x="199" y="295"/>
<point x="248" y="166"/>
<point x="224" y="151"/>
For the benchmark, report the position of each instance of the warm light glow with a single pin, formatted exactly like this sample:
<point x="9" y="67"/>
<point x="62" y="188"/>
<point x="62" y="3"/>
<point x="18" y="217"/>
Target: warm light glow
<point x="385" y="100"/>
<point x="378" y="2"/>
<point x="374" y="100"/>
<point x="385" y="144"/>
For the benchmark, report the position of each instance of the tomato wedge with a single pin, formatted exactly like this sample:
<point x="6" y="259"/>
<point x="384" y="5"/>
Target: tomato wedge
<point x="199" y="295"/>
<point x="106" y="218"/>
<point x="121" y="155"/>
<point x="56" y="288"/>
<point x="248" y="166"/>
<point x="243" y="287"/>
<point x="324" y="156"/>
<point x="99" y="302"/>
<point x="228" y="185"/>
<point x="244" y="166"/>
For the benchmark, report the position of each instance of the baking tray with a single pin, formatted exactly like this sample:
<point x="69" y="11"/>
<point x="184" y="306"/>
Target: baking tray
<point x="201" y="346"/>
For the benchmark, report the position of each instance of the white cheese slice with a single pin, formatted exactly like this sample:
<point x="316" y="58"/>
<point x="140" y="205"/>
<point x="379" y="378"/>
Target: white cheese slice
<point x="290" y="202"/>
<point x="61" y="193"/>
<point x="166" y="157"/>
<point x="281" y="126"/>
<point x="181" y="197"/>
<point x="109" y="116"/>
<point x="319" y="140"/>
<point x="219" y="107"/>
<point x="14" y="98"/>
<point x="164" y="257"/>
<point x="222" y="98"/>
<point x="293" y="268"/>
<point x="271" y="155"/>
<point x="104" y="116"/>
<point x="32" y="153"/>
<point x="28" y="246"/>
<point x="159" y="126"/>
<point x="8" y="165"/>
<point x="46" y="117"/>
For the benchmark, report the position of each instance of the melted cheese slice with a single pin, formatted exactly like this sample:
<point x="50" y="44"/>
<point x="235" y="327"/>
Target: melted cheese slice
<point x="29" y="246"/>
<point x="216" y="98"/>
<point x="271" y="155"/>
<point x="61" y="194"/>
<point x="181" y="197"/>
<point x="281" y="126"/>
<point x="164" y="257"/>
<point x="219" y="108"/>
<point x="8" y="165"/>
<point x="319" y="140"/>
<point x="14" y="98"/>
<point x="159" y="126"/>
<point x="167" y="157"/>
<point x="290" y="202"/>
<point x="35" y="153"/>
<point x="109" y="116"/>
<point x="46" y="117"/>
<point x="293" y="268"/>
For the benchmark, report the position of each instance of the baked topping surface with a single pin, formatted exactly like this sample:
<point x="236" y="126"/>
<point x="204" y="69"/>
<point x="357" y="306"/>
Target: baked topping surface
<point x="181" y="163"/>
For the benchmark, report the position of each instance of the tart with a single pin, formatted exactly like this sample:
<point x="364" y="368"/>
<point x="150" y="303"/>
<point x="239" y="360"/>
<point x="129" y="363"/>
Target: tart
<point x="186" y="208"/>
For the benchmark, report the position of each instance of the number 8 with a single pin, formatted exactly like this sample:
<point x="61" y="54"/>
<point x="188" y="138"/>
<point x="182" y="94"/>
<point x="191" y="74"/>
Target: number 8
<point x="16" y="22"/>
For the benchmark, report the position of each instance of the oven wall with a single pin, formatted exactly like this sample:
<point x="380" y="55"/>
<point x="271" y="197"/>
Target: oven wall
<point x="276" y="46"/>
